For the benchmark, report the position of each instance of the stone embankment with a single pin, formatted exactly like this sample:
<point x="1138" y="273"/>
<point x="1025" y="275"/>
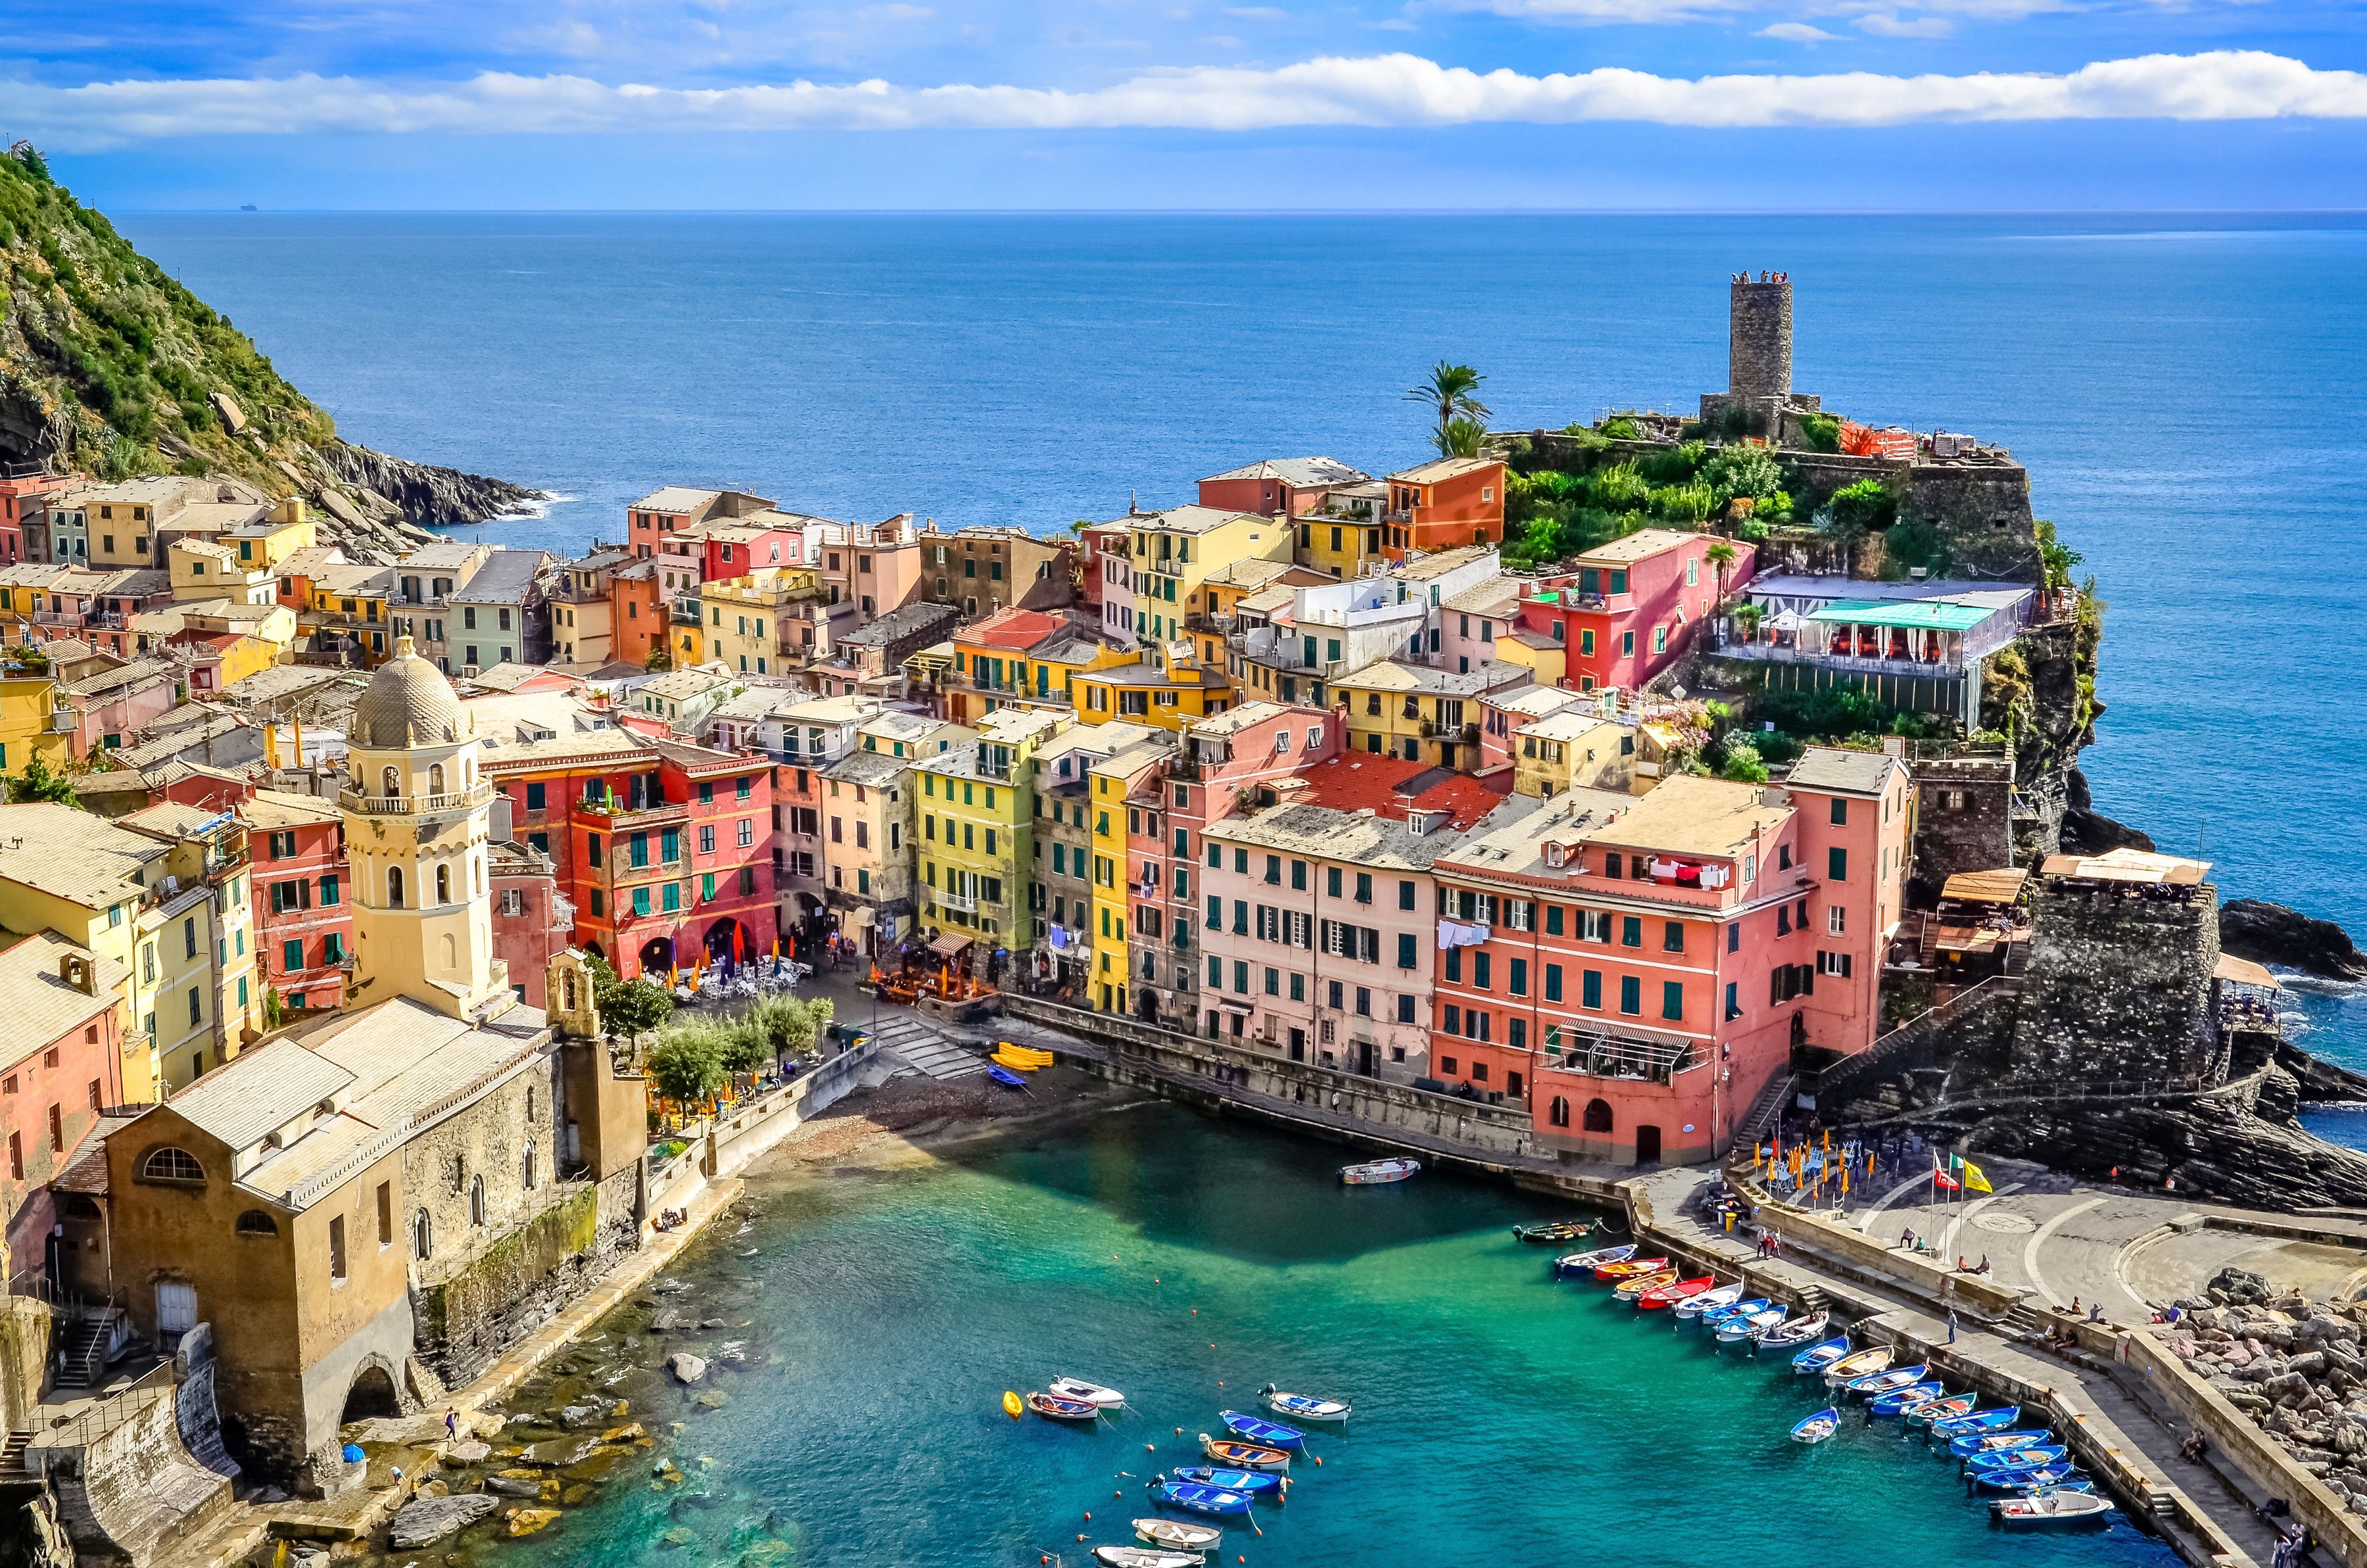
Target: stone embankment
<point x="2293" y="1366"/>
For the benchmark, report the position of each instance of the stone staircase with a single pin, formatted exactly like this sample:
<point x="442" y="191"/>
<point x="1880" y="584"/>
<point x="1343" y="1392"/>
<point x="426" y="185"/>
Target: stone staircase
<point x="12" y="1452"/>
<point x="84" y="1361"/>
<point x="925" y="1051"/>
<point x="1763" y="1111"/>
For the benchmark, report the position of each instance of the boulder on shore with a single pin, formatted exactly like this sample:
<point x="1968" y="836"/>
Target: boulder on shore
<point x="432" y="1519"/>
<point x="685" y="1366"/>
<point x="2271" y="934"/>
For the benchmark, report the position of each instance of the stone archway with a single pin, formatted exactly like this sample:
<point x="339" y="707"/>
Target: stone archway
<point x="728" y="941"/>
<point x="371" y="1395"/>
<point x="657" y="956"/>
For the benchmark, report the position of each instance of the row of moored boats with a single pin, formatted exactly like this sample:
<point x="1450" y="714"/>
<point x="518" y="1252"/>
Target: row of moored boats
<point x="2029" y="1474"/>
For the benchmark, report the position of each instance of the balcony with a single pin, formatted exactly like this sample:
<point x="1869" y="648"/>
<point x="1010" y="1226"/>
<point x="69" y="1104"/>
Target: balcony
<point x="687" y="613"/>
<point x="1642" y="1055"/>
<point x="619" y="813"/>
<point x="958" y="903"/>
<point x="1771" y="653"/>
<point x="569" y="592"/>
<point x="413" y="805"/>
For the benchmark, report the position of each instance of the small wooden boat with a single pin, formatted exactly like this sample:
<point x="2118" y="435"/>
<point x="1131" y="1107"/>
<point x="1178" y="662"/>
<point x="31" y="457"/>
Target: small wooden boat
<point x="1817" y="1427"/>
<point x="1213" y="1501"/>
<point x="1995" y="1419"/>
<point x="1932" y="1410"/>
<point x="1091" y="1393"/>
<point x="1052" y="1407"/>
<point x="1266" y="1434"/>
<point x="1178" y="1535"/>
<point x="2050" y="1509"/>
<point x="1712" y="1320"/>
<point x="1305" y="1406"/>
<point x="2030" y="1479"/>
<point x="1553" y="1232"/>
<point x="1012" y="1406"/>
<point x="1629" y="1269"/>
<point x="1006" y="1077"/>
<point x="1898" y="1399"/>
<point x="1710" y="1301"/>
<point x="1974" y="1444"/>
<point x="1144" y="1557"/>
<point x="1743" y="1327"/>
<point x="1256" y="1483"/>
<point x="1375" y="1172"/>
<point x="1861" y="1364"/>
<point x="1886" y="1381"/>
<point x="1244" y="1456"/>
<point x="1632" y="1288"/>
<point x="2003" y="1460"/>
<point x="1785" y="1336"/>
<point x="1820" y="1355"/>
<point x="1586" y="1262"/>
<point x="1674" y="1293"/>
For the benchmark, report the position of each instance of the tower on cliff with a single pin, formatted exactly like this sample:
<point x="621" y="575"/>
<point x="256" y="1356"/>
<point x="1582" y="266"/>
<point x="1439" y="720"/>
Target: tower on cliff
<point x="1759" y="361"/>
<point x="417" y="815"/>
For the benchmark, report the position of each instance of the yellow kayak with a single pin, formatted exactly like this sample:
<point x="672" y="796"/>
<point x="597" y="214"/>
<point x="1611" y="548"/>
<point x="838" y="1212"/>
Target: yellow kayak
<point x="1010" y="1404"/>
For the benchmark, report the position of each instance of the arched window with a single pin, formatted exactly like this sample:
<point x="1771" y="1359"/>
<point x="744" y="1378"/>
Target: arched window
<point x="529" y="1167"/>
<point x="394" y="887"/>
<point x="1598" y="1116"/>
<point x="172" y="1165"/>
<point x="451" y="952"/>
<point x="255" y="1222"/>
<point x="423" y="1237"/>
<point x="435" y="778"/>
<point x="1559" y="1113"/>
<point x="390" y="784"/>
<point x="443" y="884"/>
<point x="476" y="1199"/>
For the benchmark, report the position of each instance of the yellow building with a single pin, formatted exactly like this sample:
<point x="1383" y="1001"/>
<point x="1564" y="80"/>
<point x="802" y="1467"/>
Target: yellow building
<point x="29" y="725"/>
<point x="264" y="546"/>
<point x="1176" y="551"/>
<point x="1576" y="748"/>
<point x="123" y="519"/>
<point x="1147" y="694"/>
<point x="1109" y="784"/>
<point x="207" y="852"/>
<point x="209" y="568"/>
<point x="348" y="612"/>
<point x="1423" y="714"/>
<point x="977" y="819"/>
<point x="1339" y="540"/>
<point x="743" y="616"/>
<point x="23" y="597"/>
<point x="1546" y="660"/>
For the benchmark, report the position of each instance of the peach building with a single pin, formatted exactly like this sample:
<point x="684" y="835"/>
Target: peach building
<point x="1443" y="504"/>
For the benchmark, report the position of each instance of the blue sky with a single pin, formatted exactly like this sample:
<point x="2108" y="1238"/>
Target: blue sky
<point x="1298" y="104"/>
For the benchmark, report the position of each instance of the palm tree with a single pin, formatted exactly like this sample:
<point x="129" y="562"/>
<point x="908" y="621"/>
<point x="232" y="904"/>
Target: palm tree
<point x="1450" y="390"/>
<point x="1720" y="554"/>
<point x="1460" y="437"/>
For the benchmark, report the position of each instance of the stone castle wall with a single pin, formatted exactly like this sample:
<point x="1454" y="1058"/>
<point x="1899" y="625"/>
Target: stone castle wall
<point x="467" y="1318"/>
<point x="1964" y="817"/>
<point x="2119" y="985"/>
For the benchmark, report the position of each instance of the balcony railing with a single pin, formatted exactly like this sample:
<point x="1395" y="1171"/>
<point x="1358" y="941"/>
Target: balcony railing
<point x="622" y="815"/>
<point x="960" y="903"/>
<point x="687" y="613"/>
<point x="413" y="805"/>
<point x="1773" y="654"/>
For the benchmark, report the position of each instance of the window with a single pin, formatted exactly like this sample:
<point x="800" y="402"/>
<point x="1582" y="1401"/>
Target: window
<point x="1672" y="1000"/>
<point x="1631" y="931"/>
<point x="1517" y="981"/>
<point x="1673" y="936"/>
<point x="477" y="1199"/>
<point x="1553" y="982"/>
<point x="1837" y="862"/>
<point x="1733" y="1000"/>
<point x="291" y="957"/>
<point x="170" y="1164"/>
<point x="707" y="835"/>
<point x="1841" y="812"/>
<point x="1631" y="995"/>
<point x="1834" y="963"/>
<point x="1409" y="950"/>
<point x="255" y="1222"/>
<point x="338" y="1250"/>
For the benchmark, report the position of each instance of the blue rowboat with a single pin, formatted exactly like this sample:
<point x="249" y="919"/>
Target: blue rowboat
<point x="1744" y="1325"/>
<point x="1817" y="1427"/>
<point x="1269" y="1434"/>
<point x="1820" y="1355"/>
<point x="1737" y="1309"/>
<point x="1191" y="1499"/>
<point x="1974" y="1443"/>
<point x="2022" y="1482"/>
<point x="2014" y="1458"/>
<point x="1257" y="1483"/>
<point x="1898" y="1399"/>
<point x="1932" y="1410"/>
<point x="1886" y="1381"/>
<point x="1995" y="1420"/>
<point x="1006" y="1077"/>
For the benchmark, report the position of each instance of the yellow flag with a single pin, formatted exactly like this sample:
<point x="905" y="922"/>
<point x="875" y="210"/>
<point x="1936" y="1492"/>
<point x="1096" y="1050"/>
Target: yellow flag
<point x="1974" y="1181"/>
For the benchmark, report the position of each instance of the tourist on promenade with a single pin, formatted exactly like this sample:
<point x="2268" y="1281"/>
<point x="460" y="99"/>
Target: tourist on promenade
<point x="1952" y="1325"/>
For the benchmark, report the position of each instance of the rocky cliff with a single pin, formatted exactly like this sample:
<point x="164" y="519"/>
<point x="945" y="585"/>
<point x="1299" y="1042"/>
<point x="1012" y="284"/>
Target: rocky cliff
<point x="110" y="367"/>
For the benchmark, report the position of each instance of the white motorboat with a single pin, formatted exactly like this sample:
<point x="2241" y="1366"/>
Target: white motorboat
<point x="1304" y="1407"/>
<point x="1373" y="1172"/>
<point x="2050" y="1508"/>
<point x="1091" y="1393"/>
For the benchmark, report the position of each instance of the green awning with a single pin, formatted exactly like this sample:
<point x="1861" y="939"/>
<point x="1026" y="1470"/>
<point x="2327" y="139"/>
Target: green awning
<point x="1935" y="615"/>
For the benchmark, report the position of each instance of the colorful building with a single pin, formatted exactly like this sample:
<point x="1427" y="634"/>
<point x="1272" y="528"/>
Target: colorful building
<point x="59" y="1071"/>
<point x="1162" y="696"/>
<point x="32" y="725"/>
<point x="744" y="616"/>
<point x="1174" y="551"/>
<point x="1420" y="713"/>
<point x="208" y="850"/>
<point x="977" y="810"/>
<point x="303" y="918"/>
<point x="1113" y="781"/>
<point x="1635" y="605"/>
<point x="1443" y="503"/>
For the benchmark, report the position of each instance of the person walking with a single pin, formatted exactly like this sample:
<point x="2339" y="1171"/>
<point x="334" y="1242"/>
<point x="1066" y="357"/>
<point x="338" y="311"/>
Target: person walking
<point x="452" y="1423"/>
<point x="1952" y="1325"/>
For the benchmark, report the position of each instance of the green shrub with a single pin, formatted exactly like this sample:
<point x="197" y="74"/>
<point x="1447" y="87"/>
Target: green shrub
<point x="1746" y="471"/>
<point x="1857" y="508"/>
<point x="1619" y="427"/>
<point x="1742" y="763"/>
<point x="1619" y="487"/>
<point x="1820" y="433"/>
<point x="1689" y="503"/>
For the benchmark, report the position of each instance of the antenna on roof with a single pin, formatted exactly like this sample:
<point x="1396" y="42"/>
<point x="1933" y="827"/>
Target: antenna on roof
<point x="1131" y="508"/>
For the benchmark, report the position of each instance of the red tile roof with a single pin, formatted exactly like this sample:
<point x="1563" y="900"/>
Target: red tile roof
<point x="1012" y="628"/>
<point x="1392" y="786"/>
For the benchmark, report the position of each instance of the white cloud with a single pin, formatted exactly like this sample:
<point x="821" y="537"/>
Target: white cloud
<point x="1257" y="13"/>
<point x="1795" y="32"/>
<point x="1888" y="23"/>
<point x="1399" y="90"/>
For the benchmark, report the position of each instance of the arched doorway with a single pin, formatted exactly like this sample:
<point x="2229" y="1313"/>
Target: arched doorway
<point x="1598" y="1116"/>
<point x="727" y="942"/>
<point x="371" y="1395"/>
<point x="657" y="956"/>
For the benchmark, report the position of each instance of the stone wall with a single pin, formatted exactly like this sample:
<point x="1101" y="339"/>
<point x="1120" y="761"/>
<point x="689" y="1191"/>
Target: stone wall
<point x="487" y="1142"/>
<point x="468" y="1317"/>
<point x="1981" y="513"/>
<point x="1964" y="817"/>
<point x="1759" y="339"/>
<point x="25" y="1323"/>
<point x="2119" y="984"/>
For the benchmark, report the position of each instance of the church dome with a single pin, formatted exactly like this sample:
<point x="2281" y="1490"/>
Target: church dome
<point x="409" y="703"/>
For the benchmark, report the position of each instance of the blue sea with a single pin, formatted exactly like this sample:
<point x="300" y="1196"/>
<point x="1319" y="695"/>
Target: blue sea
<point x="2186" y="391"/>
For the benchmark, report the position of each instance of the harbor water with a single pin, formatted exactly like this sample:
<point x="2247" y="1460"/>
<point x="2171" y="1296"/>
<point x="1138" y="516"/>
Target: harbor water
<point x="1500" y="1416"/>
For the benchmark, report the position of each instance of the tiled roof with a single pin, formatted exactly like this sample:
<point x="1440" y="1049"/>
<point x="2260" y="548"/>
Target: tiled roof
<point x="1012" y="628"/>
<point x="273" y="808"/>
<point x="1689" y="815"/>
<point x="73" y="855"/>
<point x="1635" y="547"/>
<point x="1393" y="786"/>
<point x="39" y="1006"/>
<point x="1439" y="468"/>
<point x="1302" y="473"/>
<point x="1843" y="773"/>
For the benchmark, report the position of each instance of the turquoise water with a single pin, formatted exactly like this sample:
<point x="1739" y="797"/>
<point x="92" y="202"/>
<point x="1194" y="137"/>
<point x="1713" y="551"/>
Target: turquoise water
<point x="2185" y="389"/>
<point x="1501" y="1417"/>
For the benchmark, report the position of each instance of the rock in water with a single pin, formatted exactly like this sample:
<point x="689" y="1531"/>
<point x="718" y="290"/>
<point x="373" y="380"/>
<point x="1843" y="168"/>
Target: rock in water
<point x="513" y="1486"/>
<point x="426" y="493"/>
<point x="526" y="1521"/>
<point x="2271" y="934"/>
<point x="685" y="1366"/>
<point x="432" y="1518"/>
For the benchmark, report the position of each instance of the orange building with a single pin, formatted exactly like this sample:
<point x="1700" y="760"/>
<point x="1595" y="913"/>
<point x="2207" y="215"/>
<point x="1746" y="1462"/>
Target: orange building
<point x="1441" y="503"/>
<point x="639" y="613"/>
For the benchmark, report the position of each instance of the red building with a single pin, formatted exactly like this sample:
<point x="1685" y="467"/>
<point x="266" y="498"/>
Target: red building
<point x="1279" y="487"/>
<point x="532" y="924"/>
<point x="63" y="1066"/>
<point x="663" y="850"/>
<point x="638" y="615"/>
<point x="1635" y="605"/>
<point x="304" y="925"/>
<point x="20" y="494"/>
<point x="1443" y="504"/>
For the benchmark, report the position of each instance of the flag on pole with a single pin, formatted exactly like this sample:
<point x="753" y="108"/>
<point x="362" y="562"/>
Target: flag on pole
<point x="1943" y="1180"/>
<point x="1974" y="1181"/>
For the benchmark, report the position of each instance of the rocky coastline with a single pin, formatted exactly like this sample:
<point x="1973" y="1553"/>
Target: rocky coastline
<point x="428" y="495"/>
<point x="2293" y="1366"/>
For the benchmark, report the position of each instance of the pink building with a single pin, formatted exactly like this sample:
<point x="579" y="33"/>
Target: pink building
<point x="1634" y="971"/>
<point x="532" y="924"/>
<point x="1636" y="604"/>
<point x="1108" y="578"/>
<point x="62" y="1068"/>
<point x="304" y="922"/>
<point x="1470" y="621"/>
<point x="21" y="494"/>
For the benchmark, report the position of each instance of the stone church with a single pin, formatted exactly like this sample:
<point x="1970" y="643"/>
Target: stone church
<point x="368" y="1205"/>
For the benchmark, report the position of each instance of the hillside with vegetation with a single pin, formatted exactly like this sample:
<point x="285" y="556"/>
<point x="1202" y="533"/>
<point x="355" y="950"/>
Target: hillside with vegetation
<point x="109" y="366"/>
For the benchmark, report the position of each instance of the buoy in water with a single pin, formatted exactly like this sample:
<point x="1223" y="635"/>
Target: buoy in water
<point x="1319" y="1458"/>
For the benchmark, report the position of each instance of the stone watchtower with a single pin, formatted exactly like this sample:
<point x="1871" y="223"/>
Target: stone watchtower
<point x="1759" y="360"/>
<point x="1758" y="352"/>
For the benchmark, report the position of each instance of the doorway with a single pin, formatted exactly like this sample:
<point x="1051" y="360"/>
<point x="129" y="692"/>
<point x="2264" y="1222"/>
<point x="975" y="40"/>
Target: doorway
<point x="1648" y="1146"/>
<point x="1364" y="1057"/>
<point x="176" y="1309"/>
